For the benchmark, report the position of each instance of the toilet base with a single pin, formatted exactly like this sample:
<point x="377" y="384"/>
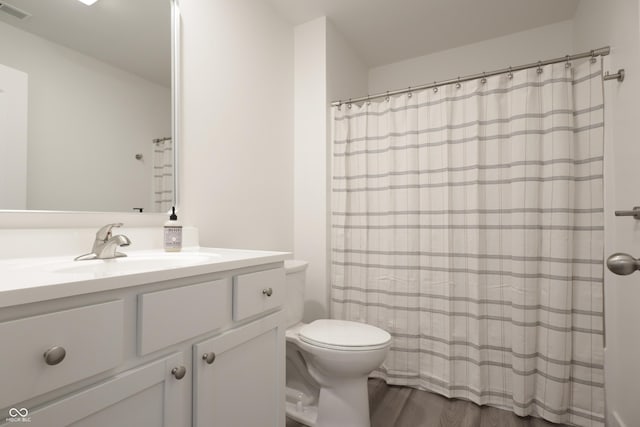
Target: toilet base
<point x="344" y="404"/>
<point x="307" y="415"/>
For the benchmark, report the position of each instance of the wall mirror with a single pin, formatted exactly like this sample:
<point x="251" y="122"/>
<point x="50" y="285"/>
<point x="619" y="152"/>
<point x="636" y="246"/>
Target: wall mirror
<point x="88" y="120"/>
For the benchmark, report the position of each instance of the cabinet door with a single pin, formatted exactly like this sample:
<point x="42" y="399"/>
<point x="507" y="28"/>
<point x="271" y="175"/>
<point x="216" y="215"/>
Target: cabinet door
<point x="148" y="396"/>
<point x="244" y="385"/>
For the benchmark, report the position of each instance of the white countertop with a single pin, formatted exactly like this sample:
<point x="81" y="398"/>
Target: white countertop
<point x="28" y="280"/>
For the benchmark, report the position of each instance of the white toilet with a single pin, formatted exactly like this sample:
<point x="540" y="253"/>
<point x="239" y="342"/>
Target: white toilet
<point x="328" y="362"/>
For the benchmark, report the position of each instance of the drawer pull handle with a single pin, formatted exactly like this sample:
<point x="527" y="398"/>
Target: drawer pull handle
<point x="268" y="292"/>
<point x="54" y="355"/>
<point x="209" y="357"/>
<point x="179" y="372"/>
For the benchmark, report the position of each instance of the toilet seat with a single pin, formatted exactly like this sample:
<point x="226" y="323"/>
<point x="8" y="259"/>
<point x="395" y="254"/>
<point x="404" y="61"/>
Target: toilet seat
<point x="344" y="335"/>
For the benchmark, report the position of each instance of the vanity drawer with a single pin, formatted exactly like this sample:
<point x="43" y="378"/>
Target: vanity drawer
<point x="175" y="315"/>
<point x="92" y="339"/>
<point x="258" y="292"/>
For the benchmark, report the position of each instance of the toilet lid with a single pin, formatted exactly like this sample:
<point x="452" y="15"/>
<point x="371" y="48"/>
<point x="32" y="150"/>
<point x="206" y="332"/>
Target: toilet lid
<point x="343" y="334"/>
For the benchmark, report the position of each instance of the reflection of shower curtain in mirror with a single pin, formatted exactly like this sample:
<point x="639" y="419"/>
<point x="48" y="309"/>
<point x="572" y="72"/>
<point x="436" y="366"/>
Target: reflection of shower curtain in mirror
<point x="162" y="175"/>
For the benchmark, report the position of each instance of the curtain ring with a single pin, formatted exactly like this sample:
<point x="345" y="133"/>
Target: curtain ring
<point x="510" y="74"/>
<point x="409" y="94"/>
<point x="368" y="99"/>
<point x="484" y="78"/>
<point x="435" y="88"/>
<point x="593" y="57"/>
<point x="386" y="98"/>
<point x="349" y="104"/>
<point x="567" y="64"/>
<point x="539" y="70"/>
<point x="458" y="85"/>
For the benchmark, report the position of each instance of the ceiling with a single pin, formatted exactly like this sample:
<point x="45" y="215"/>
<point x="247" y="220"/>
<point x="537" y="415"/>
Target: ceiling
<point x="131" y="34"/>
<point x="386" y="31"/>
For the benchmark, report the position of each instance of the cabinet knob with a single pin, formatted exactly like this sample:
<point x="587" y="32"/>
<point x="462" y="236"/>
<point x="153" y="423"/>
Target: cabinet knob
<point x="268" y="292"/>
<point x="54" y="355"/>
<point x="179" y="372"/>
<point x="209" y="357"/>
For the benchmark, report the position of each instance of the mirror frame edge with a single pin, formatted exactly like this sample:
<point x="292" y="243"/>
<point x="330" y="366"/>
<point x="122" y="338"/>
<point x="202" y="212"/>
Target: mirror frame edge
<point x="73" y="219"/>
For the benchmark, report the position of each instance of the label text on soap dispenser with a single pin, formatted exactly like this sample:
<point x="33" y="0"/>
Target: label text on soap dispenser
<point x="173" y="238"/>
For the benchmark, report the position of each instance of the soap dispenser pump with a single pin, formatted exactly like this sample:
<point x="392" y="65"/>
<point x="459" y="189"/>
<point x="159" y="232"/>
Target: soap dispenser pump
<point x="172" y="233"/>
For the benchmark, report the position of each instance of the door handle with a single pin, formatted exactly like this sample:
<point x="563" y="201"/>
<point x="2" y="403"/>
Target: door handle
<point x="623" y="264"/>
<point x="634" y="213"/>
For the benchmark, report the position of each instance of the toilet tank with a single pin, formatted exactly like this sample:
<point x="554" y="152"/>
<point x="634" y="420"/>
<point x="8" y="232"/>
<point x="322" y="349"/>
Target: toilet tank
<point x="295" y="271"/>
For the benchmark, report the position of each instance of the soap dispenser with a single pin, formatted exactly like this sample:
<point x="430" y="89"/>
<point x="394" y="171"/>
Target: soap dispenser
<point x="172" y="233"/>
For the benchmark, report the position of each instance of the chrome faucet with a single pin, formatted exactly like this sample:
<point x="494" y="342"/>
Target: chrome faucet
<point x="106" y="244"/>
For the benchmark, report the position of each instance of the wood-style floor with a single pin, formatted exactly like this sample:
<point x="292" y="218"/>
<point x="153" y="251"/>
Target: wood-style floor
<point x="393" y="406"/>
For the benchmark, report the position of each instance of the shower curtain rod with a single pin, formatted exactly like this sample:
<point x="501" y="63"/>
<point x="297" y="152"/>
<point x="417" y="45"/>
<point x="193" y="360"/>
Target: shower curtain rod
<point x="603" y="51"/>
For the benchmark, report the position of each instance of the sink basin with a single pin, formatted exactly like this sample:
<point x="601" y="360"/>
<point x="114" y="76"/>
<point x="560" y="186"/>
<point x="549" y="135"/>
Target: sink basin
<point x="132" y="264"/>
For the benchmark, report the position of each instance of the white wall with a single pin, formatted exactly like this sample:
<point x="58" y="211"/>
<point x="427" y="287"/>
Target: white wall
<point x="325" y="67"/>
<point x="541" y="43"/>
<point x="616" y="23"/>
<point x="237" y="131"/>
<point x="310" y="154"/>
<point x="87" y="120"/>
<point x="13" y="137"/>
<point x="347" y="74"/>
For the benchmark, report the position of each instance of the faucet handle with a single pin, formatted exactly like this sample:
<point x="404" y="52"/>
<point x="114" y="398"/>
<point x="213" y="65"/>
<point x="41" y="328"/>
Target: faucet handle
<point x="105" y="232"/>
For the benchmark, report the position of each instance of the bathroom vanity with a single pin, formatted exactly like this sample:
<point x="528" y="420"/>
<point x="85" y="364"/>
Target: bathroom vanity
<point x="153" y="339"/>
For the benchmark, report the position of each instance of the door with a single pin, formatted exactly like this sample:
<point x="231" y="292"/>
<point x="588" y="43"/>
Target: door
<point x="238" y="377"/>
<point x="13" y="138"/>
<point x="148" y="396"/>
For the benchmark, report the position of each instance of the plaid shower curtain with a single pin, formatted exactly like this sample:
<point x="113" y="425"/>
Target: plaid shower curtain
<point x="468" y="222"/>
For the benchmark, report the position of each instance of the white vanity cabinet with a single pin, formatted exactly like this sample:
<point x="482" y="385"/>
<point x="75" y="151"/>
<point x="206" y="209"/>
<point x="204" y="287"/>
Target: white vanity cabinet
<point x="203" y="350"/>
